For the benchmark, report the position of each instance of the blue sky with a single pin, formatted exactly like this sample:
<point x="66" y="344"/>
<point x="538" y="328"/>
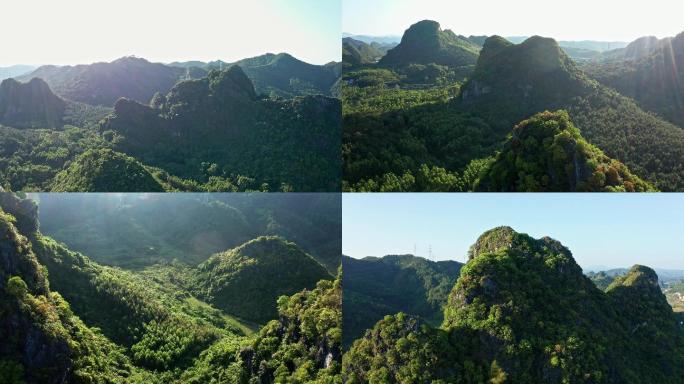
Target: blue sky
<point x="612" y="230"/>
<point x="85" y="31"/>
<point x="612" y="20"/>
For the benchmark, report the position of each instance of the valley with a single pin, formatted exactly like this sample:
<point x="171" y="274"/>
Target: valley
<point x="235" y="310"/>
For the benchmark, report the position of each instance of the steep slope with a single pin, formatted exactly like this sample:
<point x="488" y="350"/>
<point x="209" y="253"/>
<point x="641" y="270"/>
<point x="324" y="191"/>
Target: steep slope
<point x="104" y="83"/>
<point x="425" y="43"/>
<point x="30" y="105"/>
<point x="286" y="76"/>
<point x="215" y="129"/>
<point x="247" y="280"/>
<point x="635" y="50"/>
<point x="513" y="82"/>
<point x="649" y="70"/>
<point x="104" y="170"/>
<point x="356" y="53"/>
<point x="548" y="153"/>
<point x="43" y="341"/>
<point x="158" y="330"/>
<point x="522" y="311"/>
<point x="303" y="345"/>
<point x="155" y="322"/>
<point x="376" y="287"/>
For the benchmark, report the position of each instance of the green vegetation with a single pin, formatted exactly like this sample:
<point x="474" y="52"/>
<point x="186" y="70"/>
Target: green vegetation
<point x="247" y="280"/>
<point x="215" y="130"/>
<point x="135" y="231"/>
<point x="204" y="130"/>
<point x="376" y="287"/>
<point x="547" y="153"/>
<point x="522" y="311"/>
<point x="422" y="124"/>
<point x="602" y="279"/>
<point x="425" y="43"/>
<point x="105" y="171"/>
<point x="356" y="53"/>
<point x="114" y="325"/>
<point x="30" y="105"/>
<point x="104" y="83"/>
<point x="674" y="292"/>
<point x="278" y="75"/>
<point x="648" y="70"/>
<point x="302" y="346"/>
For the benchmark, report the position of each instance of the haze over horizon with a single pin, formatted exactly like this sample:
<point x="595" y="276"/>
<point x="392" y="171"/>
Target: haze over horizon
<point x="83" y="32"/>
<point x="519" y="18"/>
<point x="612" y="230"/>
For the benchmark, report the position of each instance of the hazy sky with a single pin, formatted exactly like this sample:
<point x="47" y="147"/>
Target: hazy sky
<point x="614" y="230"/>
<point x="85" y="31"/>
<point x="608" y="20"/>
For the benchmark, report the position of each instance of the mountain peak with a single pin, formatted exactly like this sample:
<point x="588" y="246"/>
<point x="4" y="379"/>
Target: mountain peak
<point x="127" y="60"/>
<point x="637" y="276"/>
<point x="547" y="153"/>
<point x="248" y="279"/>
<point x="492" y="46"/>
<point x="417" y="32"/>
<point x="232" y="81"/>
<point x="30" y="105"/>
<point x="425" y="42"/>
<point x="104" y="170"/>
<point x="505" y="238"/>
<point x="492" y="241"/>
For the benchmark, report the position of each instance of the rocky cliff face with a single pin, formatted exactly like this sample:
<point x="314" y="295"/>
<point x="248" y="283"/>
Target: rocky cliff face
<point x="33" y="348"/>
<point x="30" y="105"/>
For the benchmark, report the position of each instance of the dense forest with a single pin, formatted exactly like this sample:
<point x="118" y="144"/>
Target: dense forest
<point x="68" y="318"/>
<point x="521" y="310"/>
<point x="442" y="112"/>
<point x="268" y="123"/>
<point x="378" y="286"/>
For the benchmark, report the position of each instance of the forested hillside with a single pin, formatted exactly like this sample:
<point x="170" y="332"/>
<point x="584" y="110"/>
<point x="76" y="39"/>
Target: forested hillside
<point x="203" y="129"/>
<point x="376" y="287"/>
<point x="104" y="83"/>
<point x="426" y="43"/>
<point x="137" y="231"/>
<point x="216" y="130"/>
<point x="547" y="153"/>
<point x="279" y="74"/>
<point x="522" y="311"/>
<point x="648" y="70"/>
<point x="425" y="124"/>
<point x="109" y="324"/>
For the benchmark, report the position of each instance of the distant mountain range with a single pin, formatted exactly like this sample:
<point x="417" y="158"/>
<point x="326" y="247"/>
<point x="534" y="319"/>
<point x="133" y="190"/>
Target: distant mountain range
<point x="14" y="71"/>
<point x="138" y="79"/>
<point x="589" y="45"/>
<point x="664" y="275"/>
<point x="649" y="70"/>
<point x="280" y="74"/>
